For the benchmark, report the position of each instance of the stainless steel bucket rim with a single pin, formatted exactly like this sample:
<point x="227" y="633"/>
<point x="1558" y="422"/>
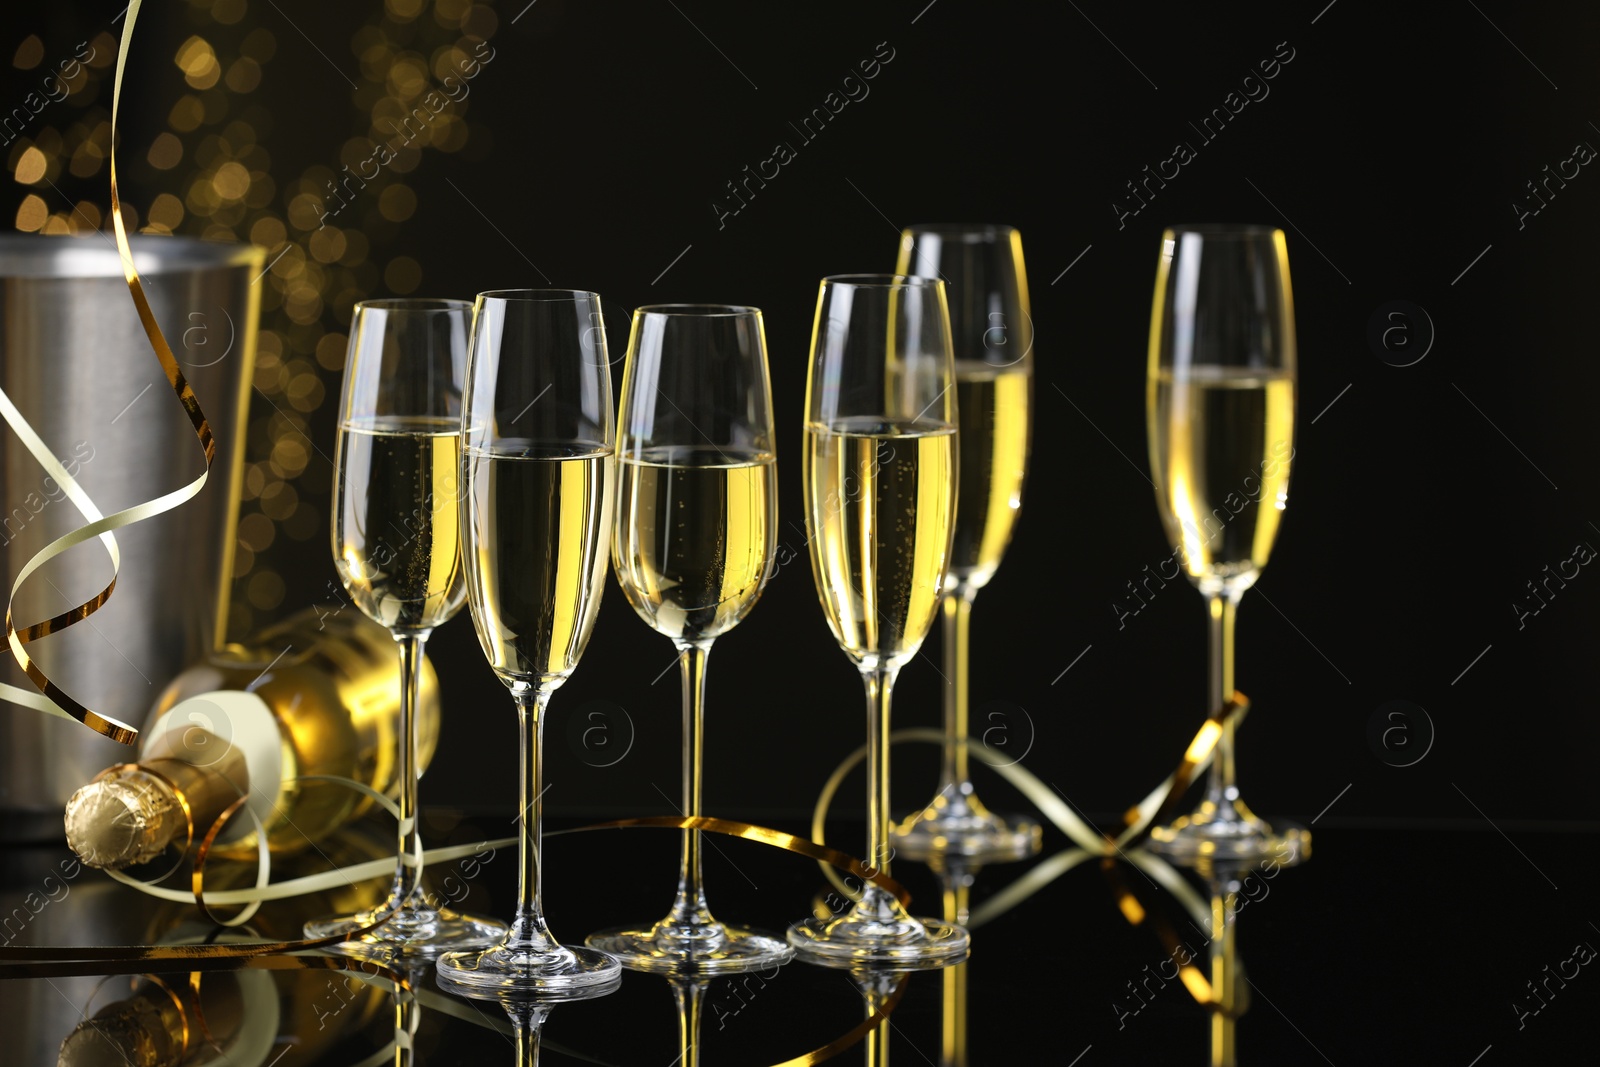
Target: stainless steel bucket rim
<point x="26" y="255"/>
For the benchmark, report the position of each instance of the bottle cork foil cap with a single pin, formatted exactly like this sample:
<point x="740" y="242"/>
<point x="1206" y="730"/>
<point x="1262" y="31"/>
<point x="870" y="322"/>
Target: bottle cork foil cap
<point x="122" y="820"/>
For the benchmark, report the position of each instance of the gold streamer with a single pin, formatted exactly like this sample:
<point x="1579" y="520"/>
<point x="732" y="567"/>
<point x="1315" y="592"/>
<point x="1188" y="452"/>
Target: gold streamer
<point x="1192" y="977"/>
<point x="54" y="962"/>
<point x="854" y="1035"/>
<point x="51" y="699"/>
<point x="1138" y="821"/>
<point x="11" y="957"/>
<point x="766" y="836"/>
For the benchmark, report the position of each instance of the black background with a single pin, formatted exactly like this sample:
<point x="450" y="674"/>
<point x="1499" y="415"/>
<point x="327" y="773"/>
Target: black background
<point x="1390" y="149"/>
<point x="1395" y="139"/>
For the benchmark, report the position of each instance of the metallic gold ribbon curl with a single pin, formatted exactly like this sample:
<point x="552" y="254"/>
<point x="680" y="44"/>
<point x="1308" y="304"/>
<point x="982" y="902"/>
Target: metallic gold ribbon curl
<point x="764" y="835"/>
<point x="282" y="955"/>
<point x="853" y="1036"/>
<point x="158" y="341"/>
<point x="141" y="953"/>
<point x="1091" y="843"/>
<point x="263" y="866"/>
<point x="50" y="698"/>
<point x="1140" y="820"/>
<point x="1137" y="821"/>
<point x="1193" y="979"/>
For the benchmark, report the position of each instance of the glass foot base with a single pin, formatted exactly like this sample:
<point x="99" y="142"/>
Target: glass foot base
<point x="981" y="835"/>
<point x="558" y="970"/>
<point x="856" y="940"/>
<point x="714" y="948"/>
<point x="1236" y="836"/>
<point x="410" y="932"/>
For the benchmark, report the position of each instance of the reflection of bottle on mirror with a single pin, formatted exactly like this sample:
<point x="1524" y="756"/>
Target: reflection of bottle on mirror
<point x="241" y="1018"/>
<point x="318" y="694"/>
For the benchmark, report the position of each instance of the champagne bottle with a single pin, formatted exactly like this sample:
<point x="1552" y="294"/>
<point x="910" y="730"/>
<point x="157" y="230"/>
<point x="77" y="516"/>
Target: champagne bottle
<point x="318" y="694"/>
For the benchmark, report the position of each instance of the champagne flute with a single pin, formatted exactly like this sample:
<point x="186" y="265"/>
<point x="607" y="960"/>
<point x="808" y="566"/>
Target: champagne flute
<point x="694" y="534"/>
<point x="1220" y="400"/>
<point x="987" y="289"/>
<point x="880" y="474"/>
<point x="538" y="467"/>
<point x="397" y="552"/>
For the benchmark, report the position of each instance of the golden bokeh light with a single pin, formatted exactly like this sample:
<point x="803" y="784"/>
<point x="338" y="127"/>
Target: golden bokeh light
<point x="256" y="532"/>
<point x="404" y="10"/>
<point x="402" y="275"/>
<point x="219" y="166"/>
<point x="397" y="203"/>
<point x="31" y="214"/>
<point x="28" y="53"/>
<point x="231" y="180"/>
<point x="166" y="211"/>
<point x="265" y="590"/>
<point x="259" y="44"/>
<point x="244" y="74"/>
<point x="228" y="12"/>
<point x="186" y="114"/>
<point x="198" y="62"/>
<point x="166" y="151"/>
<point x="31" y="167"/>
<point x="327" y="244"/>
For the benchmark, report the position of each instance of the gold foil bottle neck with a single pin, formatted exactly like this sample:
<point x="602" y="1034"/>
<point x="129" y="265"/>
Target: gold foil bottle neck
<point x="124" y="819"/>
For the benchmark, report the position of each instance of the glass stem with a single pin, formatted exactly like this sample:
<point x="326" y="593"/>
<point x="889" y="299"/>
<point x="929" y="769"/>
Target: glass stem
<point x="528" y="930"/>
<point x="527" y="1047"/>
<point x="527" y="1019"/>
<point x="1224" y="971"/>
<point x="690" y="996"/>
<point x="957" y="619"/>
<point x="953" y="1034"/>
<point x="407" y="1018"/>
<point x="689" y="909"/>
<point x="875" y="902"/>
<point x="876" y="989"/>
<point x="408" y="872"/>
<point x="1222" y="789"/>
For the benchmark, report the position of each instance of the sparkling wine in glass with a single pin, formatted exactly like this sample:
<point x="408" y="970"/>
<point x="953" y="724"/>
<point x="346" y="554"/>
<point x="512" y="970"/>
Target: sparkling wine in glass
<point x="986" y="286"/>
<point x="396" y="549"/>
<point x="692" y="546"/>
<point x="538" y="470"/>
<point x="1220" y="402"/>
<point x="880" y="474"/>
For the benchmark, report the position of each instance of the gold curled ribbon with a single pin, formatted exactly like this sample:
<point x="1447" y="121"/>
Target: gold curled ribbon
<point x="853" y="1036"/>
<point x="1193" y="979"/>
<point x="13" y="957"/>
<point x="50" y="698"/>
<point x="54" y="962"/>
<point x="1091" y="843"/>
<point x="1138" y="820"/>
<point x="766" y="836"/>
<point x="263" y="866"/>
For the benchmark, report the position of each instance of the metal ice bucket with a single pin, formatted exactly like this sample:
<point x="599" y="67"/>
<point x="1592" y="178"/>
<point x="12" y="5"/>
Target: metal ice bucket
<point x="76" y="362"/>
